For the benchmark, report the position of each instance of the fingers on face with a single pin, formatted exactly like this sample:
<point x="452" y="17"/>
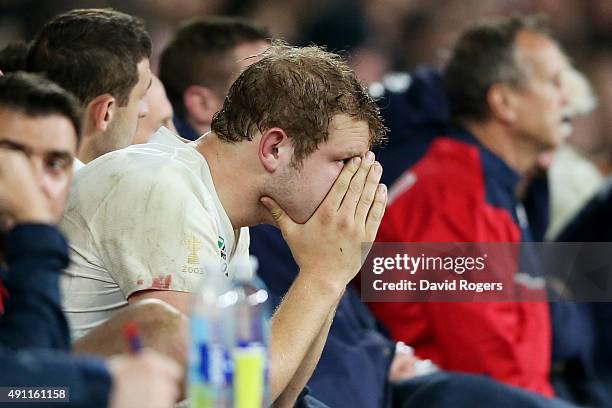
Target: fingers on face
<point x="357" y="184"/>
<point x="377" y="210"/>
<point x="341" y="185"/>
<point x="368" y="193"/>
<point x="357" y="193"/>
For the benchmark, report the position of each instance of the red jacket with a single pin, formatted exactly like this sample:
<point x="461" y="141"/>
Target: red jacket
<point x="460" y="192"/>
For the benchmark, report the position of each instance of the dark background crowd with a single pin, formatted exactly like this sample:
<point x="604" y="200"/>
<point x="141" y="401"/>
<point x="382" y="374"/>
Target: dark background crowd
<point x="381" y="35"/>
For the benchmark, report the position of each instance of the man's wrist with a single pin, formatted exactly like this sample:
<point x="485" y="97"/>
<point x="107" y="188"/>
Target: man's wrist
<point x="323" y="281"/>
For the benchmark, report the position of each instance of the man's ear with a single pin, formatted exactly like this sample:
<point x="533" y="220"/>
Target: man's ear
<point x="201" y="103"/>
<point x="502" y="101"/>
<point x="101" y="111"/>
<point x="275" y="149"/>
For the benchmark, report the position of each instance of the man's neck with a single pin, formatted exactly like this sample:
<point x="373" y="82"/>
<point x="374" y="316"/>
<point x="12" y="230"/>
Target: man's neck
<point x="231" y="178"/>
<point x="86" y="152"/>
<point x="515" y="151"/>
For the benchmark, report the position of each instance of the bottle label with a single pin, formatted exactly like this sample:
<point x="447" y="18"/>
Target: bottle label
<point x="249" y="376"/>
<point x="216" y="366"/>
<point x="211" y="384"/>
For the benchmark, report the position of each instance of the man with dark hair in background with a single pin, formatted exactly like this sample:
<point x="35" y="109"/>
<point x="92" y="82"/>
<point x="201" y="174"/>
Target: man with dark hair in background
<point x="102" y="57"/>
<point x="200" y="63"/>
<point x="503" y="82"/>
<point x="38" y="139"/>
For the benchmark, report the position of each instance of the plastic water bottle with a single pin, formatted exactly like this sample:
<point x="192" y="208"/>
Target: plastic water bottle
<point x="228" y="362"/>
<point x="212" y="337"/>
<point x="252" y="335"/>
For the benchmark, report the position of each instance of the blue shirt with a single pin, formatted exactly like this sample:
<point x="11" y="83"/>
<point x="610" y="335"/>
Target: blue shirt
<point x="34" y="336"/>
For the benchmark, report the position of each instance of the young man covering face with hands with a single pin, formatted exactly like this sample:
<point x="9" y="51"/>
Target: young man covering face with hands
<point x="290" y="147"/>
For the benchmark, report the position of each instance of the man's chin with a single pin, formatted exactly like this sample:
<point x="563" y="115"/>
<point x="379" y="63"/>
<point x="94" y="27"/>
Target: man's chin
<point x="304" y="218"/>
<point x="300" y="219"/>
<point x="554" y="140"/>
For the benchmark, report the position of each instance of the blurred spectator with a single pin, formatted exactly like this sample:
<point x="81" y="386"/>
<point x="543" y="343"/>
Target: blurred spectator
<point x="503" y="82"/>
<point x="343" y="28"/>
<point x="595" y="141"/>
<point x="578" y="170"/>
<point x="201" y="62"/>
<point x="414" y="106"/>
<point x="160" y="112"/>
